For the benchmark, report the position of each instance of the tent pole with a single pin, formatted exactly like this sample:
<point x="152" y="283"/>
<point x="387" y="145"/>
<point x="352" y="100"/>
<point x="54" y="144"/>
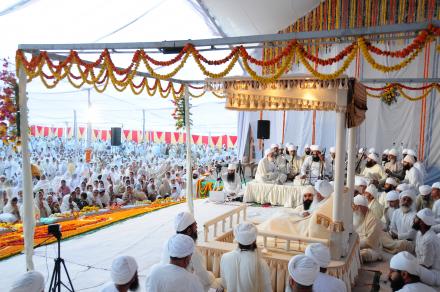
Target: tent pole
<point x="338" y="196"/>
<point x="28" y="198"/>
<point x="89" y="120"/>
<point x="189" y="188"/>
<point x="143" y="128"/>
<point x="350" y="179"/>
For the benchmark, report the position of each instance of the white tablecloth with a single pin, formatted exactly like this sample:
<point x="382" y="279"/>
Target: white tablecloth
<point x="287" y="195"/>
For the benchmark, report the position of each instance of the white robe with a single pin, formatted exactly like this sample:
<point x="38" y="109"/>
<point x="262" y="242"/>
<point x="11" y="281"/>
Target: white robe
<point x="414" y="177"/>
<point x="428" y="254"/>
<point x="239" y="273"/>
<point x="266" y="172"/>
<point x="233" y="187"/>
<point x="401" y="224"/>
<point x="327" y="283"/>
<point x="416" y="287"/>
<point x="197" y="267"/>
<point x="436" y="211"/>
<point x="171" y="278"/>
<point x="312" y="169"/>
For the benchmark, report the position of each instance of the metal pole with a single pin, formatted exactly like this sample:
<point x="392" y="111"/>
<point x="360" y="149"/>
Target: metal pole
<point x="28" y="198"/>
<point x="189" y="188"/>
<point x="66" y="136"/>
<point x="75" y="129"/>
<point x="351" y="165"/>
<point x="89" y="120"/>
<point x="338" y="195"/>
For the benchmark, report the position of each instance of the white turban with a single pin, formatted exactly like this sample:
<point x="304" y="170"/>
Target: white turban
<point x="180" y="246"/>
<point x="245" y="233"/>
<point x="361" y="150"/>
<point x="232" y="166"/>
<point x="391" y="181"/>
<point x="32" y="281"/>
<point x="319" y="253"/>
<point x="402" y="187"/>
<point x="373" y="156"/>
<point x="386" y="151"/>
<point x="360" y="200"/>
<point x="292" y="147"/>
<point x="392" y="196"/>
<point x="303" y="270"/>
<point x="371" y="150"/>
<point x="123" y="269"/>
<point x="315" y="148"/>
<point x="324" y="188"/>
<point x="306" y="146"/>
<point x="408" y="193"/>
<point x="405" y="151"/>
<point x="274" y="146"/>
<point x="392" y="152"/>
<point x="411" y="152"/>
<point x="332" y="149"/>
<point x="409" y="159"/>
<point x="426" y="216"/>
<point x="360" y="181"/>
<point x="425" y="190"/>
<point x="183" y="220"/>
<point x="404" y="261"/>
<point x="309" y="190"/>
<point x="372" y="190"/>
<point x="267" y="152"/>
<point x="436" y="185"/>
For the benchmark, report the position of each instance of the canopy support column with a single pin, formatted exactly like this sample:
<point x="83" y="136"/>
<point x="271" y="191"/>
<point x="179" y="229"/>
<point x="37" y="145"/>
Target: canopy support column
<point x="351" y="165"/>
<point x="143" y="128"/>
<point x="337" y="226"/>
<point x="189" y="188"/>
<point x="28" y="198"/>
<point x="89" y="120"/>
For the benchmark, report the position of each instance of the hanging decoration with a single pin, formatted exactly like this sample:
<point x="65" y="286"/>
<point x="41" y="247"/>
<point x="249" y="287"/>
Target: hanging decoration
<point x="390" y="92"/>
<point x="179" y="114"/>
<point x="9" y="114"/>
<point x="389" y="95"/>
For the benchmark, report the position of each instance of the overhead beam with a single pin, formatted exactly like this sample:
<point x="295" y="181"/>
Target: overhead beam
<point x="401" y="80"/>
<point x="254" y="39"/>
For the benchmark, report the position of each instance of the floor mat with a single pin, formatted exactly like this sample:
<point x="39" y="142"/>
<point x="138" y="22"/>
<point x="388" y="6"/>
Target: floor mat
<point x="368" y="281"/>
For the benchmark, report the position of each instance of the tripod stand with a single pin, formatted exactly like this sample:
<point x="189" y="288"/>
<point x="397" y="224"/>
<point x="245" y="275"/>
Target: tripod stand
<point x="55" y="281"/>
<point x="241" y="172"/>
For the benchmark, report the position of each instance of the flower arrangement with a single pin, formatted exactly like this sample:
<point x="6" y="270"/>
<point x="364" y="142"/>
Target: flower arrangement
<point x="179" y="113"/>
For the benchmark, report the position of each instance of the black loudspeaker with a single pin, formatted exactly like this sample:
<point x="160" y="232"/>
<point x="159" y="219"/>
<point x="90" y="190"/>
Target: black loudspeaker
<point x="263" y="129"/>
<point x="116" y="137"/>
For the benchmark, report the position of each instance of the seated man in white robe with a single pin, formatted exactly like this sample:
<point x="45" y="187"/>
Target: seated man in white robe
<point x="404" y="274"/>
<point x="413" y="175"/>
<point x="360" y="185"/>
<point x="369" y="229"/>
<point x="294" y="162"/>
<point x="323" y="190"/>
<point x="402" y="220"/>
<point x="303" y="272"/>
<point x="303" y="210"/>
<point x="424" y="199"/>
<point x="124" y="275"/>
<point x="243" y="270"/>
<point x="184" y="223"/>
<point x="266" y="170"/>
<point x="173" y="276"/>
<point x="324" y="282"/>
<point x="392" y="200"/>
<point x="231" y="182"/>
<point x="313" y="167"/>
<point x="375" y="207"/>
<point x="373" y="169"/>
<point x="435" y="194"/>
<point x="390" y="185"/>
<point x="427" y="248"/>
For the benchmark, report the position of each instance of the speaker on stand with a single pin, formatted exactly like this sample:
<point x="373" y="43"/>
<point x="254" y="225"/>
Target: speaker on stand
<point x="115" y="137"/>
<point x="263" y="132"/>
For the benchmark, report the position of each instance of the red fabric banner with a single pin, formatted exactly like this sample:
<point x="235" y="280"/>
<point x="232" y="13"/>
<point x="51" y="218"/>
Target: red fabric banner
<point x="135" y="136"/>
<point x="126" y="133"/>
<point x="205" y="140"/>
<point x="60" y="132"/>
<point x="233" y="139"/>
<point x="215" y="139"/>
<point x="168" y="137"/>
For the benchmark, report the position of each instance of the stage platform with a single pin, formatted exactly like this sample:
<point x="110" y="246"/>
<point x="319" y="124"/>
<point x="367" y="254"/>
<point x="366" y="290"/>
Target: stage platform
<point x="287" y="195"/>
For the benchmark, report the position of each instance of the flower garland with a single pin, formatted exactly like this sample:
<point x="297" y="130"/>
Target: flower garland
<point x="122" y="78"/>
<point x="390" y="92"/>
<point x="179" y="113"/>
<point x="9" y="114"/>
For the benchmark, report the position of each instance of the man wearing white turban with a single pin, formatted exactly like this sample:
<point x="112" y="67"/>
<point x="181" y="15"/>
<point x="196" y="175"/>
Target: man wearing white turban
<point x="392" y="200"/>
<point x="184" y="223"/>
<point x="402" y="220"/>
<point x="413" y="176"/>
<point x="32" y="281"/>
<point x="424" y="200"/>
<point x="369" y="229"/>
<point x="304" y="209"/>
<point x="393" y="165"/>
<point x="375" y="207"/>
<point x="427" y="248"/>
<point x="324" y="282"/>
<point x="313" y="167"/>
<point x="323" y="191"/>
<point x="294" y="162"/>
<point x="231" y="181"/>
<point x="267" y="171"/>
<point x="373" y="169"/>
<point x="173" y="276"/>
<point x="303" y="272"/>
<point x="243" y="270"/>
<point x="124" y="274"/>
<point x="404" y="274"/>
<point x="435" y="194"/>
